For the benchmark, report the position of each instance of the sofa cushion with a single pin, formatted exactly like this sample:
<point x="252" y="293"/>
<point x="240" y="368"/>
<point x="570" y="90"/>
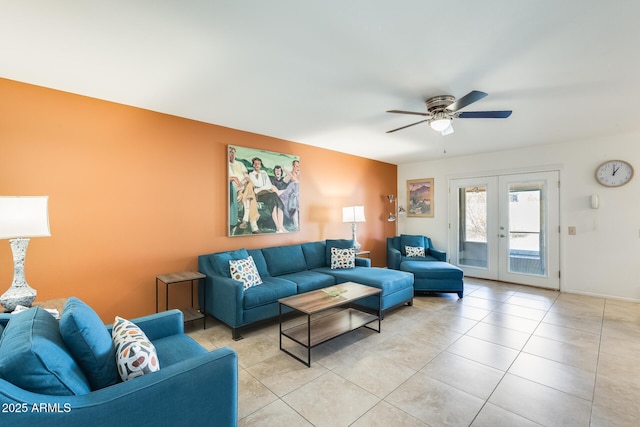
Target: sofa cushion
<point x="314" y="254"/>
<point x="284" y="259"/>
<point x="410" y="240"/>
<point x="89" y="342"/>
<point x="390" y="281"/>
<point x="245" y="271"/>
<point x="271" y="289"/>
<point x="309" y="280"/>
<point x="343" y="258"/>
<point x="33" y="356"/>
<point x="136" y="355"/>
<point x="335" y="243"/>
<point x="176" y="348"/>
<point x="258" y="259"/>
<point x="220" y="261"/>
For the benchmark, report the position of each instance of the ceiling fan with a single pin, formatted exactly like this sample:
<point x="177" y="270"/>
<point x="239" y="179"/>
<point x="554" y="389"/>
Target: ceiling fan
<point x="442" y="109"/>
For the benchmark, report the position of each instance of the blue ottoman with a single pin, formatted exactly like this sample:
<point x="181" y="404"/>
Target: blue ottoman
<point x="435" y="276"/>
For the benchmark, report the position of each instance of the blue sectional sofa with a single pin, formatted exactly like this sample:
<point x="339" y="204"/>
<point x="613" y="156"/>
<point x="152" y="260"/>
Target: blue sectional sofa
<point x="62" y="373"/>
<point x="431" y="271"/>
<point x="290" y="270"/>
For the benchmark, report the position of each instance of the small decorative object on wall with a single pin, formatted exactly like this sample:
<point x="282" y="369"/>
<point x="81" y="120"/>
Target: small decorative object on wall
<point x="420" y="198"/>
<point x="264" y="192"/>
<point x="614" y="173"/>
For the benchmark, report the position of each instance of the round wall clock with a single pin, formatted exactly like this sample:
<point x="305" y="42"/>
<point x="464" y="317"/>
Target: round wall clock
<point x="614" y="173"/>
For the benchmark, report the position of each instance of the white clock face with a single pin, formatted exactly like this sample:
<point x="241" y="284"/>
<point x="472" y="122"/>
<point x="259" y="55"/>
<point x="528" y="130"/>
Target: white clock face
<point x="614" y="173"/>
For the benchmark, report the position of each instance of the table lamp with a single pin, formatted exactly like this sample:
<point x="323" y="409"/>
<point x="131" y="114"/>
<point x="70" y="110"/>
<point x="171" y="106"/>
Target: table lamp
<point x="353" y="214"/>
<point x="21" y="217"/>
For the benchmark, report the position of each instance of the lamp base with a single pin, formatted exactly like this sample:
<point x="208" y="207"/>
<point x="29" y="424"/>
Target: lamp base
<point x="356" y="244"/>
<point x="20" y="293"/>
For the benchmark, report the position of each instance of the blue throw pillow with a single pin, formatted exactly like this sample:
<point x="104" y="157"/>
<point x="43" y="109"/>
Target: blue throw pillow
<point x="220" y="260"/>
<point x="89" y="342"/>
<point x="409" y="240"/>
<point x="34" y="357"/>
<point x="336" y="243"/>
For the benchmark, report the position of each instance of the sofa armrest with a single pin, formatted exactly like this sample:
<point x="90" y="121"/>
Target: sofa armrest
<point x="159" y="325"/>
<point x="438" y="254"/>
<point x="393" y="258"/>
<point x="225" y="299"/>
<point x="363" y="262"/>
<point x="201" y="389"/>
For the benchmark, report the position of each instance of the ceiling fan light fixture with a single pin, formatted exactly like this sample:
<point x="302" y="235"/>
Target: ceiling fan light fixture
<point x="440" y="122"/>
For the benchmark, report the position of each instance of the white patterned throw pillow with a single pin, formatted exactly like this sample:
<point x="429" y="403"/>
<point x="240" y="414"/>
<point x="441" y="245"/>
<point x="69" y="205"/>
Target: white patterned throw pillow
<point x="343" y="258"/>
<point x="245" y="271"/>
<point x="413" y="251"/>
<point x="135" y="355"/>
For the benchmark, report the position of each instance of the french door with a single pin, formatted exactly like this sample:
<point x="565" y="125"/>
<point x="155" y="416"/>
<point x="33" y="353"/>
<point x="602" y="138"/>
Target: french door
<point x="507" y="228"/>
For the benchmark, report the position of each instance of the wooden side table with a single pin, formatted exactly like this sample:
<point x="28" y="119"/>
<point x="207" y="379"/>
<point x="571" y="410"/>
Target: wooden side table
<point x="363" y="254"/>
<point x="191" y="314"/>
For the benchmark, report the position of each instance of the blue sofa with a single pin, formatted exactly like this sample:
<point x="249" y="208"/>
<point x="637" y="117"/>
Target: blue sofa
<point x="290" y="270"/>
<point x="431" y="272"/>
<point x="192" y="387"/>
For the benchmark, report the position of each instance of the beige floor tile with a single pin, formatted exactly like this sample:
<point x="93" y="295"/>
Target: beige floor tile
<point x="492" y="294"/>
<point x="252" y="394"/>
<point x="479" y="302"/>
<point x="386" y="415"/>
<point x="494" y="416"/>
<point x="624" y="330"/>
<point x="619" y="366"/>
<point x="452" y="322"/>
<point x="563" y="352"/>
<point x="376" y="374"/>
<point x="607" y="417"/>
<point x="535" y="303"/>
<point x="499" y="335"/>
<point x="331" y="400"/>
<point x="432" y="335"/>
<point x="583" y="322"/>
<point x="252" y="350"/>
<point x="276" y="414"/>
<point x="541" y="404"/>
<point x="410" y="353"/>
<point x="620" y="396"/>
<point x="434" y="402"/>
<point x="511" y="322"/>
<point x="282" y="373"/>
<point x="556" y="375"/>
<point x="618" y="346"/>
<point x="520" y="311"/>
<point x="583" y="339"/>
<point x="467" y="311"/>
<point x="487" y="353"/>
<point x="464" y="374"/>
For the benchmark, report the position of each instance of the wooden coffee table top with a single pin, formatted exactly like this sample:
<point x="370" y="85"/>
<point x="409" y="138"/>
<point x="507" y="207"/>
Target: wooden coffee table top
<point x="323" y="299"/>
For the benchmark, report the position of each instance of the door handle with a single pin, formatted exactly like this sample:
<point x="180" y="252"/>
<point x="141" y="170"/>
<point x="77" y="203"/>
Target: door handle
<point x="501" y="235"/>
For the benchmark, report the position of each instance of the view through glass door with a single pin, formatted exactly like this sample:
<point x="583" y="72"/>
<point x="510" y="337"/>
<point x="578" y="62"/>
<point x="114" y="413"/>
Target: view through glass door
<point x="507" y="228"/>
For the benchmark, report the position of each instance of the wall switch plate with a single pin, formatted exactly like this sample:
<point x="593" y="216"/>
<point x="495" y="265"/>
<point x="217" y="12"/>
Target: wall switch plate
<point x="572" y="230"/>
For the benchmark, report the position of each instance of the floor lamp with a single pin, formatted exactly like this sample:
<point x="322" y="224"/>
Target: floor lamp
<point x="21" y="218"/>
<point x="353" y="214"/>
<point x="394" y="211"/>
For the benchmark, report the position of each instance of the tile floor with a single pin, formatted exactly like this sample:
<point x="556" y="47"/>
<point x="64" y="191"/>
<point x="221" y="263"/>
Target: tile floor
<point x="504" y="355"/>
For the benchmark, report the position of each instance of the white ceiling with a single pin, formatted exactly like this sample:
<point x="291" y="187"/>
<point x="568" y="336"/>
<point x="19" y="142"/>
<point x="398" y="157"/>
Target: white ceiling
<point x="323" y="73"/>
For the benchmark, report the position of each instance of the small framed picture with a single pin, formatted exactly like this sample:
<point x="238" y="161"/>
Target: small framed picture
<point x="420" y="198"/>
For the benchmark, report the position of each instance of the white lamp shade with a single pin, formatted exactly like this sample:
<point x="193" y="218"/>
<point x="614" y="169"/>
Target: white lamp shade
<point x="24" y="216"/>
<point x="353" y="214"/>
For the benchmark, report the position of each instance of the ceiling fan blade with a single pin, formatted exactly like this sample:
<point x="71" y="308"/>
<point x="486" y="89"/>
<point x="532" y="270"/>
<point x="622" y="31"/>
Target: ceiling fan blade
<point x="470" y="98"/>
<point x="485" y="114"/>
<point x="404" y="127"/>
<point x="408" y="112"/>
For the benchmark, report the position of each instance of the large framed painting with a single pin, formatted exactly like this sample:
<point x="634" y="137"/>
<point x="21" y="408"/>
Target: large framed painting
<point x="264" y="192"/>
<point x="420" y="198"/>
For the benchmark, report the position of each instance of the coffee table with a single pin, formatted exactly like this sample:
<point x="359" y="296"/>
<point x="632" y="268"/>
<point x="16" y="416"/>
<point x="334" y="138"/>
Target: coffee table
<point x="323" y="328"/>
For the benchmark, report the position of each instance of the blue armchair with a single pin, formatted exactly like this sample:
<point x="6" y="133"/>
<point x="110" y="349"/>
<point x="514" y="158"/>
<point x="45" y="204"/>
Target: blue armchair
<point x="396" y="250"/>
<point x="192" y="387"/>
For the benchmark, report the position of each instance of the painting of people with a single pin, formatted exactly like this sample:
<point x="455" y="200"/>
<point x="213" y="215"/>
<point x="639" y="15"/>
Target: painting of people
<point x="420" y="198"/>
<point x="264" y="192"/>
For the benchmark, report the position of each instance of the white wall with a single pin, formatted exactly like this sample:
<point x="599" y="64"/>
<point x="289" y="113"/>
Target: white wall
<point x="603" y="258"/>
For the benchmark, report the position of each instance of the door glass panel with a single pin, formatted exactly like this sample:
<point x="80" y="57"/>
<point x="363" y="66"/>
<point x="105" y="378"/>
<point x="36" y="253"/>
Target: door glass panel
<point x="526" y="229"/>
<point x="472" y="242"/>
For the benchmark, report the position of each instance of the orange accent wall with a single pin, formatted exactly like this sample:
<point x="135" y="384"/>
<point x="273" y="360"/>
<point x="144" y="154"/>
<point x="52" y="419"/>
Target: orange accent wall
<point x="135" y="193"/>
